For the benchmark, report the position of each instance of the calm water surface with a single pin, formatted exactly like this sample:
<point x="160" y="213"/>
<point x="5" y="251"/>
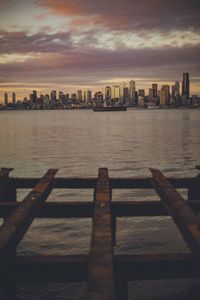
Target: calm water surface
<point x="78" y="143"/>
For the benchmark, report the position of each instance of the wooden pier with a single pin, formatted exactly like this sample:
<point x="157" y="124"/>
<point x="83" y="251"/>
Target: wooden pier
<point x="107" y="275"/>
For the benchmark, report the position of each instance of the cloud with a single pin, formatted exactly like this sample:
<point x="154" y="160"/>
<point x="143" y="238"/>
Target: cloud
<point x="22" y="42"/>
<point x="128" y="14"/>
<point x="96" y="65"/>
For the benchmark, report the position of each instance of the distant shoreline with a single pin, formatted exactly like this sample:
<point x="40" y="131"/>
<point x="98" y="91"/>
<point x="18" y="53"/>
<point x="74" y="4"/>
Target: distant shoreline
<point x="91" y="108"/>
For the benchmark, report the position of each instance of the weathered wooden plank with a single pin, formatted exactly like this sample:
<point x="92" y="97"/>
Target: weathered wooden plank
<point x="182" y="214"/>
<point x="79" y="209"/>
<point x="115" y="183"/>
<point x="15" y="226"/>
<point x="73" y="268"/>
<point x="100" y="269"/>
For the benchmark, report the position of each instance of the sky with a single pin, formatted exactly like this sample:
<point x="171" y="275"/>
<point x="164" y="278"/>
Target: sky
<point x="78" y="44"/>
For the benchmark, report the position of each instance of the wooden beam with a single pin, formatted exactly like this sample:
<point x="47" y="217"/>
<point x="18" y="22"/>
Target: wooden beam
<point x="73" y="268"/>
<point x="182" y="214"/>
<point x="79" y="209"/>
<point x="115" y="183"/>
<point x="15" y="226"/>
<point x="100" y="269"/>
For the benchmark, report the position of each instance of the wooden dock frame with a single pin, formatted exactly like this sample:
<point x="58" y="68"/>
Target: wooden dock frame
<point x="107" y="275"/>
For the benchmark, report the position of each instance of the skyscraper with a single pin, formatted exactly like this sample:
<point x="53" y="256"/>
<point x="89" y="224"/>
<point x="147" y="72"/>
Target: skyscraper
<point x="116" y="92"/>
<point x="107" y="92"/>
<point x="175" y="90"/>
<point x="79" y="96"/>
<point x="13" y="98"/>
<point x="155" y="90"/>
<point x="132" y="91"/>
<point x="186" y="85"/>
<point x="122" y="91"/>
<point x="141" y="93"/>
<point x="6" y="98"/>
<point x="87" y="96"/>
<point x="166" y="88"/>
<point x="53" y="96"/>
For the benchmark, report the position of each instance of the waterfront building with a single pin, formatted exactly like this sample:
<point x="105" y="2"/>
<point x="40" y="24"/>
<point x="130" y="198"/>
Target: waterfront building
<point x="53" y="96"/>
<point x="116" y="92"/>
<point x="107" y="93"/>
<point x="34" y="96"/>
<point x="166" y="88"/>
<point x="186" y="85"/>
<point x="6" y="98"/>
<point x="79" y="96"/>
<point x="141" y="101"/>
<point x="98" y="97"/>
<point x="126" y="95"/>
<point x="155" y="90"/>
<point x="132" y="92"/>
<point x="163" y="97"/>
<point x="87" y="96"/>
<point x="195" y="100"/>
<point x="13" y="98"/>
<point x="122" y="92"/>
<point x="141" y="93"/>
<point x="151" y="95"/>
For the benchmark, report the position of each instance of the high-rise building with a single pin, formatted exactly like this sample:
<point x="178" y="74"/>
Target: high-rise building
<point x="163" y="97"/>
<point x="186" y="85"/>
<point x="79" y="96"/>
<point x="126" y="95"/>
<point x="107" y="92"/>
<point x="122" y="91"/>
<point x="141" y="93"/>
<point x="155" y="90"/>
<point x="132" y="91"/>
<point x="177" y="89"/>
<point x="87" y="96"/>
<point x="6" y="98"/>
<point x="151" y="95"/>
<point x="166" y="88"/>
<point x="98" y="98"/>
<point x="34" y="96"/>
<point x="53" y="96"/>
<point x="116" y="92"/>
<point x="13" y="98"/>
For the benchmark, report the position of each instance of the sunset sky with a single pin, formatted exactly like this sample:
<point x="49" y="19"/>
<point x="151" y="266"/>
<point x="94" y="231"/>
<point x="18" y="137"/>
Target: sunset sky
<point x="72" y="44"/>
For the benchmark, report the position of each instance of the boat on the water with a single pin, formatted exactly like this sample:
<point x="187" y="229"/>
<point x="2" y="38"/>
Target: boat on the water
<point x="110" y="108"/>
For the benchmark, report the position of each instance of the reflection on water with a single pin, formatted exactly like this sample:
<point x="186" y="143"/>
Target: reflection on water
<point x="78" y="143"/>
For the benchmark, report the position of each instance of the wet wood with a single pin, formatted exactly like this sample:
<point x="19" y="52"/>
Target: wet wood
<point x="115" y="183"/>
<point x="182" y="214"/>
<point x="100" y="269"/>
<point x="79" y="209"/>
<point x="73" y="268"/>
<point x="15" y="226"/>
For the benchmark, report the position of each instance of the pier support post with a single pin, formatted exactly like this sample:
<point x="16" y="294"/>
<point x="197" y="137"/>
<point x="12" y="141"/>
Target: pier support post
<point x="114" y="229"/>
<point x="7" y="192"/>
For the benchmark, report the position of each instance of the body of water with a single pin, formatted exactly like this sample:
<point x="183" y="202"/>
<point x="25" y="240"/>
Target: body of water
<point x="78" y="142"/>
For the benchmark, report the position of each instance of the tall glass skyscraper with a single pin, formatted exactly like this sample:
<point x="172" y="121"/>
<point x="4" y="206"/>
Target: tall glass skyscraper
<point x="186" y="85"/>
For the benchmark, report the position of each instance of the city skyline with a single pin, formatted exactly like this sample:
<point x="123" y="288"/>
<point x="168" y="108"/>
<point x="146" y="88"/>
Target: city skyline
<point x="124" y="94"/>
<point x="109" y="91"/>
<point x="71" y="45"/>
